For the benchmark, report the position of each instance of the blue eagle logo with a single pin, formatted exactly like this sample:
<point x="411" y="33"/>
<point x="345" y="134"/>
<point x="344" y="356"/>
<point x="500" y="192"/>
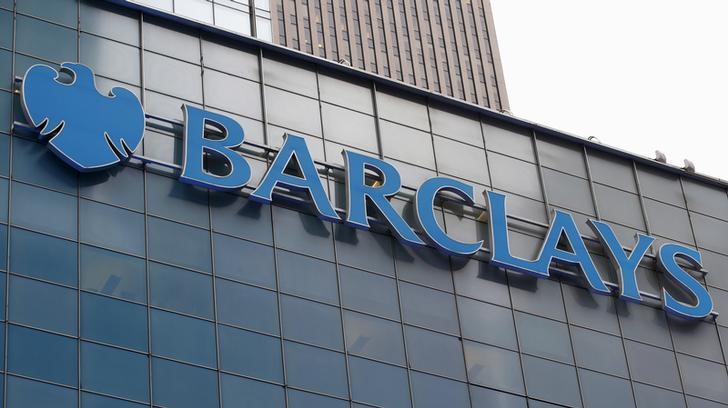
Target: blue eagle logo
<point x="86" y="129"/>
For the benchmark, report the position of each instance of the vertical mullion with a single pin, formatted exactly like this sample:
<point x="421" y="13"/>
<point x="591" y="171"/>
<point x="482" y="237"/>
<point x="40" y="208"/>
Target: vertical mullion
<point x="6" y="325"/>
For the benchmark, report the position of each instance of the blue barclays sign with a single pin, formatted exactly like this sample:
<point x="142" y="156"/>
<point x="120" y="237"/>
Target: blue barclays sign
<point x="91" y="131"/>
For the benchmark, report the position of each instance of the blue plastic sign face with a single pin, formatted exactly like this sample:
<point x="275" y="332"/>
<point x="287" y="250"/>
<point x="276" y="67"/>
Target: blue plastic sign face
<point x="90" y="131"/>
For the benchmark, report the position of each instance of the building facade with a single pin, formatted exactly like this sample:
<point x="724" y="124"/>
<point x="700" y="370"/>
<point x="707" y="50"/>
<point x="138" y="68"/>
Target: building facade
<point x="446" y="46"/>
<point x="126" y="288"/>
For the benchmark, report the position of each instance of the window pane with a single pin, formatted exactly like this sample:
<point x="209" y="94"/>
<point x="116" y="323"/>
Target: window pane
<point x="183" y="338"/>
<point x="435" y="392"/>
<point x="378" y="384"/>
<point x="604" y="391"/>
<point x="551" y="381"/>
<point x="183" y="386"/>
<point x="307" y="277"/>
<point x="42" y="305"/>
<point x="172" y="77"/>
<point x="58" y="263"/>
<point x="652" y="365"/>
<point x="303" y="233"/>
<point x="171" y="199"/>
<point x="300" y="399"/>
<point x="112" y="227"/>
<point x="294" y="112"/>
<point x="35" y="163"/>
<point x="111" y="59"/>
<point x="59" y="210"/>
<point x="374" y="338"/>
<point x="114" y="371"/>
<point x="544" y="338"/>
<point x="230" y="58"/>
<point x="599" y="351"/>
<point x="110" y="22"/>
<point x="250" y="354"/>
<point x="242" y="392"/>
<point x="247" y="306"/>
<point x="425" y="266"/>
<point x="113" y="274"/>
<point x="179" y="244"/>
<point x="241" y="217"/>
<point x="113" y="321"/>
<point x="28" y="30"/>
<point x="435" y="353"/>
<point x="487" y="323"/>
<point x="42" y="355"/>
<point x="226" y="92"/>
<point x="244" y="261"/>
<point x="24" y="393"/>
<point x="97" y="401"/>
<point x="349" y="128"/>
<point x="122" y="186"/>
<point x="311" y="322"/>
<point x="493" y="367"/>
<point x="315" y="369"/>
<point x="369" y="293"/>
<point x="429" y="308"/>
<point x="485" y="397"/>
<point x="180" y="290"/>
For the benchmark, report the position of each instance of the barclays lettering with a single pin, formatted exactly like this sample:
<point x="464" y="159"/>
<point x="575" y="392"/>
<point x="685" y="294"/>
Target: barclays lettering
<point x="94" y="142"/>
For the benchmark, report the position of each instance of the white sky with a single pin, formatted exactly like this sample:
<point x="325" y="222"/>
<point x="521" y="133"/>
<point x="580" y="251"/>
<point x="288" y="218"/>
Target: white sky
<point x="640" y="75"/>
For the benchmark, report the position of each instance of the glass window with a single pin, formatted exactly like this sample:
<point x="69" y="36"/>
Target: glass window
<point x="110" y="58"/>
<point x="108" y="21"/>
<point x="423" y="265"/>
<point x="315" y="369"/>
<point x="435" y="392"/>
<point x="541" y="297"/>
<point x="342" y="91"/>
<point x="604" y="391"/>
<point x="122" y="186"/>
<point x="618" y="206"/>
<point x="4" y="143"/>
<point x="349" y="128"/>
<point x="612" y="171"/>
<point x="24" y="393"/>
<point x="97" y="401"/>
<point x="237" y="392"/>
<point x="299" y="232"/>
<point x="182" y="202"/>
<point x="485" y="397"/>
<point x="652" y="365"/>
<point x="300" y="399"/>
<point x="481" y="280"/>
<point x="6" y="18"/>
<point x="179" y="244"/>
<point x="599" y="351"/>
<point x="61" y="11"/>
<point x="706" y="199"/>
<point x="704" y="379"/>
<point x="307" y="277"/>
<point x="590" y="310"/>
<point x="173" y="77"/>
<point x="241" y="217"/>
<point x="113" y="371"/>
<point x="42" y="305"/>
<point x="461" y="160"/>
<point x="6" y="68"/>
<point x="710" y="232"/>
<point x="455" y="126"/>
<point x="378" y="384"/>
<point x="551" y="381"/>
<point x="244" y="261"/>
<point x="512" y="141"/>
<point x="6" y="105"/>
<point x="644" y="323"/>
<point x="364" y="249"/>
<point x="311" y="322"/>
<point x="247" y="306"/>
<point x="648" y="396"/>
<point x="374" y="338"/>
<point x="369" y="293"/>
<point x="232" y="19"/>
<point x="696" y="338"/>
<point x="36" y="164"/>
<point x="28" y="30"/>
<point x="250" y="354"/>
<point x="171" y="40"/>
<point x="98" y="220"/>
<point x="180" y="290"/>
<point x="493" y="367"/>
<point x="41" y="355"/>
<point x="568" y="191"/>
<point x="544" y="338"/>
<point x="294" y="112"/>
<point x="660" y="185"/>
<point x="113" y="274"/>
<point x="230" y="58"/>
<point x="59" y="210"/>
<point x="287" y="75"/>
<point x="183" y="386"/>
<point x="407" y="144"/>
<point x="487" y="323"/>
<point x="183" y="338"/>
<point x="435" y="353"/>
<point x="233" y="94"/>
<point x="58" y="263"/>
<point x="129" y="328"/>
<point x="405" y="111"/>
<point x="515" y="176"/>
<point x="195" y="9"/>
<point x="562" y="156"/>
<point x="429" y="308"/>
